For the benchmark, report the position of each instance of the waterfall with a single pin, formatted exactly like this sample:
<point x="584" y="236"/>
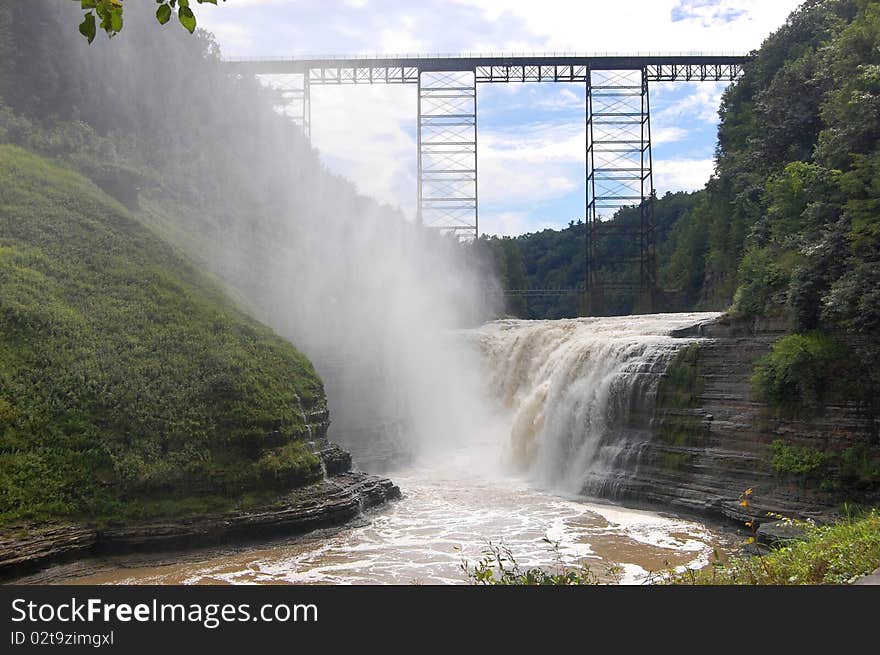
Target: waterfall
<point x="580" y="393"/>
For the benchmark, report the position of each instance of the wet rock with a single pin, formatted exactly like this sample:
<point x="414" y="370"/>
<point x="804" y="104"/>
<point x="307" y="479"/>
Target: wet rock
<point x="334" y="501"/>
<point x="336" y="460"/>
<point x="25" y="548"/>
<point x="873" y="579"/>
<point x="776" y="532"/>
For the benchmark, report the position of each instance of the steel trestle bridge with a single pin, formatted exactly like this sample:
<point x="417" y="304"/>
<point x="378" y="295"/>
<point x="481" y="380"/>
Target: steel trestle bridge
<point x="617" y="114"/>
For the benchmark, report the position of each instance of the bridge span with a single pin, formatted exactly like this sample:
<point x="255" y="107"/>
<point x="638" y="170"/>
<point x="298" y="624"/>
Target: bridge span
<point x="617" y="115"/>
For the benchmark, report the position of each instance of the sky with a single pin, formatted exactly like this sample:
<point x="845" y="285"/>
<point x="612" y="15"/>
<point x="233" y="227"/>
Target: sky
<point x="531" y="155"/>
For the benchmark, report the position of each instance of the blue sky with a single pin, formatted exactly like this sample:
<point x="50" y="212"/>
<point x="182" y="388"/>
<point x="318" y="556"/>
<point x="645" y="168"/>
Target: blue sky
<point x="531" y="136"/>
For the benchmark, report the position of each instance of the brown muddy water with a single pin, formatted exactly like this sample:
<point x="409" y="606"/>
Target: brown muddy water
<point x="447" y="515"/>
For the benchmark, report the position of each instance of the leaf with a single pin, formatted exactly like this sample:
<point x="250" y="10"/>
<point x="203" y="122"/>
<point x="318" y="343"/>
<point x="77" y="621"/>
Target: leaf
<point x="87" y="27"/>
<point x="750" y="540"/>
<point x="88" y="4"/>
<point x="213" y="2"/>
<point x="116" y="19"/>
<point x="187" y="18"/>
<point x="163" y="14"/>
<point x="743" y="503"/>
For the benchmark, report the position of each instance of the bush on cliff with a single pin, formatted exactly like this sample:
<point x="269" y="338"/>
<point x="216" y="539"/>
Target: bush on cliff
<point x="798" y="375"/>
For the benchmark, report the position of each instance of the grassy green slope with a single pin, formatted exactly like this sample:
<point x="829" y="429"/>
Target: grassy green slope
<point x="126" y="374"/>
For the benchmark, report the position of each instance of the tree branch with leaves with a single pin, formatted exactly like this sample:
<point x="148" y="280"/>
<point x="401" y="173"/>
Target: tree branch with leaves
<point x="107" y="15"/>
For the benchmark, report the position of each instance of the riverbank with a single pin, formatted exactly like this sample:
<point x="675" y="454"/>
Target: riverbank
<point x="454" y="506"/>
<point x="29" y="547"/>
<point x="846" y="552"/>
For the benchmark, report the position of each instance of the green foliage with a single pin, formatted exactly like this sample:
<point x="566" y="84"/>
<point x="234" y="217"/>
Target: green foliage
<point x="799" y="374"/>
<point x="832" y="554"/>
<point x="124" y="372"/>
<point x="794" y="460"/>
<point x="763" y="279"/>
<point x="860" y="468"/>
<point x="796" y="166"/>
<point x="109" y="12"/>
<point x="292" y="465"/>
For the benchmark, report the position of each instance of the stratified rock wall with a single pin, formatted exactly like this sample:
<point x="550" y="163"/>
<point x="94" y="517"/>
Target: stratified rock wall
<point x="702" y="458"/>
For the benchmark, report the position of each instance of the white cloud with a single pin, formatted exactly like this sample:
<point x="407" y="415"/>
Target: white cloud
<point x="503" y="183"/>
<point x="366" y="133"/>
<point x="560" y="25"/>
<point x="667" y="135"/>
<point x="535" y="143"/>
<point x="505" y="223"/>
<point x="531" y="164"/>
<point x="701" y="104"/>
<point x="681" y="174"/>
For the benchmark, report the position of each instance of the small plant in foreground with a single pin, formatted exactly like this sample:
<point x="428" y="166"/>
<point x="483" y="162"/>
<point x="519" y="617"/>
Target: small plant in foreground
<point x="829" y="554"/>
<point x="499" y="567"/>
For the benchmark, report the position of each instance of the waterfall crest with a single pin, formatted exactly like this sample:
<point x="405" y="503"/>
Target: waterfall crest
<point x="580" y="392"/>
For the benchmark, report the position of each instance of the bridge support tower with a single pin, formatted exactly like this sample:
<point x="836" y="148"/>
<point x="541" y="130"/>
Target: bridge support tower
<point x="619" y="173"/>
<point x="447" y="152"/>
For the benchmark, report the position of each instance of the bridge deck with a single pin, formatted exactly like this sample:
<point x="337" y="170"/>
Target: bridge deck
<point x="519" y="68"/>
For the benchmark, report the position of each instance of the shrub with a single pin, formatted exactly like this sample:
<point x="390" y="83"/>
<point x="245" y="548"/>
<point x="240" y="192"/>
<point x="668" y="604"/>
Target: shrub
<point x="860" y="467"/>
<point x="795" y="460"/>
<point x="798" y="374"/>
<point x="761" y="277"/>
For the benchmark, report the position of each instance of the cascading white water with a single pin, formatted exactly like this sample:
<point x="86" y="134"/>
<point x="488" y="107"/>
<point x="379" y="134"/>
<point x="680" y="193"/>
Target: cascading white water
<point x="580" y="391"/>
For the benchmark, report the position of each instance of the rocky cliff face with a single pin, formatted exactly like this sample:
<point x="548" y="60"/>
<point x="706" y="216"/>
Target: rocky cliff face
<point x="701" y="455"/>
<point x="340" y="497"/>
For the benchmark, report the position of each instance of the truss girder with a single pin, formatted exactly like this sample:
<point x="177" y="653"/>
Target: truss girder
<point x="503" y="73"/>
<point x="489" y="69"/>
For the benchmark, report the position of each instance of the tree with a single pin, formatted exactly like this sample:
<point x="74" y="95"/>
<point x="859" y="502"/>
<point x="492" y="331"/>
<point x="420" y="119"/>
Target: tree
<point x="107" y="15"/>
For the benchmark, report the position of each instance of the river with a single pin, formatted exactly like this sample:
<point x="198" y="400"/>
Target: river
<point x="446" y="516"/>
<point x="564" y="391"/>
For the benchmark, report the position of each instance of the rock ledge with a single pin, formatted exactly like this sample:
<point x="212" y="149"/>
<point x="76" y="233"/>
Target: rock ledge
<point x="341" y="497"/>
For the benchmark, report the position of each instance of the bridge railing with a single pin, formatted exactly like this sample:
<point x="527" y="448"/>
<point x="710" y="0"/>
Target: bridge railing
<point x="476" y="55"/>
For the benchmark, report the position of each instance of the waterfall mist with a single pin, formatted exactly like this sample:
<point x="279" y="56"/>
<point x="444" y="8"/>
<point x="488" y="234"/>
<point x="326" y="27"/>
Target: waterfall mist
<point x="372" y="299"/>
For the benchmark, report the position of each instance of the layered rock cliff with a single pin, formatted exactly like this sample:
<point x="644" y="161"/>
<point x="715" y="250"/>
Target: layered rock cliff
<point x="341" y="496"/>
<point x="709" y="442"/>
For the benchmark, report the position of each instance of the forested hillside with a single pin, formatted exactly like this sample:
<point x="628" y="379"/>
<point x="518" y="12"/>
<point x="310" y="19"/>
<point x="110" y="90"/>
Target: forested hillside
<point x="554" y="260"/>
<point x="127" y="378"/>
<point x="129" y="381"/>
